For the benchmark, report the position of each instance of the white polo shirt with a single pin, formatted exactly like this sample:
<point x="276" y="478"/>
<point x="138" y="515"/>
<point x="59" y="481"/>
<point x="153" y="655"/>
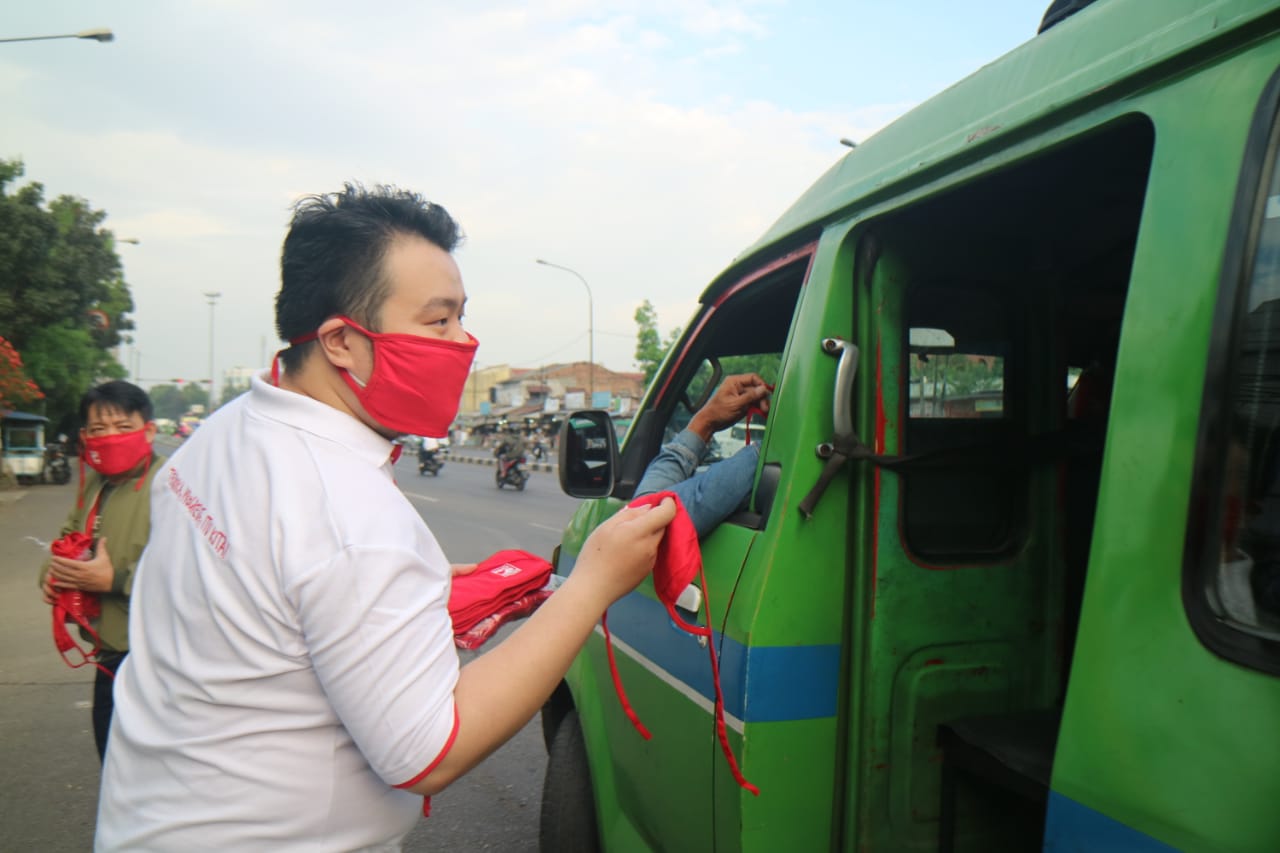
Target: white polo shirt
<point x="291" y="653"/>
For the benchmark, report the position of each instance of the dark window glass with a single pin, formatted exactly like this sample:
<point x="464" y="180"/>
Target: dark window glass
<point x="972" y="504"/>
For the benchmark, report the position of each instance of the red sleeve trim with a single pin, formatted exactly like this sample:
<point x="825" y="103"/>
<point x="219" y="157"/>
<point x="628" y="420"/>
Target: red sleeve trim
<point x="448" y="745"/>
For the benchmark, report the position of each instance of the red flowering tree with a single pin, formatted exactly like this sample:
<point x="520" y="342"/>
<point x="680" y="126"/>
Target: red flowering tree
<point x="16" y="388"/>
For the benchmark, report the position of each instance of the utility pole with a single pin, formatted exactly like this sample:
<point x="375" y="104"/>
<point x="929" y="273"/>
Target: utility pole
<point x="213" y="297"/>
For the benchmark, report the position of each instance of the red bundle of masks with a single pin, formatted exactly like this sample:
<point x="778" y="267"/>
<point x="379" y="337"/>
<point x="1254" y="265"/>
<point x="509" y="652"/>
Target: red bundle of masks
<point x="497" y="584"/>
<point x="75" y="606"/>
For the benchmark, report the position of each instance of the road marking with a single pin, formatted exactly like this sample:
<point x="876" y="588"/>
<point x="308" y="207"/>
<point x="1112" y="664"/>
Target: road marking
<point x="422" y="497"/>
<point x="545" y="527"/>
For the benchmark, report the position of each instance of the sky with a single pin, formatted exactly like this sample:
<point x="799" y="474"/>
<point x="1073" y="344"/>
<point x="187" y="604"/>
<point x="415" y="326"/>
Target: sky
<point x="641" y="144"/>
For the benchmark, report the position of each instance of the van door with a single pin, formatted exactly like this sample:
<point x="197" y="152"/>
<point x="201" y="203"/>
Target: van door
<point x="663" y="787"/>
<point x="990" y="296"/>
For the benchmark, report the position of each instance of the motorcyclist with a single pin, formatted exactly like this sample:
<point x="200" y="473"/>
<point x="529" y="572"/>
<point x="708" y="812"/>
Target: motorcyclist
<point x="510" y="450"/>
<point x="428" y="450"/>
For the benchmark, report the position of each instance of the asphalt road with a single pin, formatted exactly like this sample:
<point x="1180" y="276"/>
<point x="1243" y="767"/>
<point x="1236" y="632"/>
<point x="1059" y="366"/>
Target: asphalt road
<point x="48" y="790"/>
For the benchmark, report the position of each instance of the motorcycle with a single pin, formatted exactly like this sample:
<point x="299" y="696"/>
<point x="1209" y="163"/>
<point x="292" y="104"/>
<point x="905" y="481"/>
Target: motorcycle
<point x="57" y="467"/>
<point x="429" y="461"/>
<point x="511" y="472"/>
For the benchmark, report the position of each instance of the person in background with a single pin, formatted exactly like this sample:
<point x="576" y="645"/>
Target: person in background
<point x="113" y="505"/>
<point x="293" y="682"/>
<point x="510" y="449"/>
<point x="723" y="488"/>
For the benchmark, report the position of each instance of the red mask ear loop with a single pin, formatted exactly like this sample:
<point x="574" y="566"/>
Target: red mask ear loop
<point x="722" y="733"/>
<point x="80" y="487"/>
<point x="145" y="468"/>
<point x="617" y="681"/>
<point x="756" y="410"/>
<point x="275" y="361"/>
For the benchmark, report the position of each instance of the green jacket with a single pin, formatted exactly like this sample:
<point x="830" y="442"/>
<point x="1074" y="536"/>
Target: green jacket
<point x="125" y="521"/>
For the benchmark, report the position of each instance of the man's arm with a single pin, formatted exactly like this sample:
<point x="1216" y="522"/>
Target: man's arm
<point x="674" y="464"/>
<point x="498" y="693"/>
<point x="713" y="495"/>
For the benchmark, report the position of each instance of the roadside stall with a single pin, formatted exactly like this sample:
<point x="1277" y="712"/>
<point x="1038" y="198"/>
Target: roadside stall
<point x="22" y="440"/>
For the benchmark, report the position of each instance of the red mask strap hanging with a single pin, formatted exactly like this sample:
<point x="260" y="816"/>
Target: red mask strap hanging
<point x="678" y="557"/>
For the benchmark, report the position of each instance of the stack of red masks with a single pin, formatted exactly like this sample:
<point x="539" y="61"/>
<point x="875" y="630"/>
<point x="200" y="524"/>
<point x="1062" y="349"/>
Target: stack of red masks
<point x="497" y="582"/>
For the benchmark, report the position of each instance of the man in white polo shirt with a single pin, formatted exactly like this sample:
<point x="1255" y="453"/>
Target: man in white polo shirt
<point x="292" y="682"/>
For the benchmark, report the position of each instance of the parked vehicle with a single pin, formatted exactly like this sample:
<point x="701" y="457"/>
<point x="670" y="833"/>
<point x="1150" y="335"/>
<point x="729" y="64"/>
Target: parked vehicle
<point x="57" y="467"/>
<point x="511" y="471"/>
<point x="1009" y="577"/>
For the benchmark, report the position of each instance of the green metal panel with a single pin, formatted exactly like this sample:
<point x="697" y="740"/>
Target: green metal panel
<point x="1159" y="733"/>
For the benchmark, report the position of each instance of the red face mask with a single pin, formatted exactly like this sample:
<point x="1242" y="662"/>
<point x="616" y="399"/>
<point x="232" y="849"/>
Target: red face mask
<point x="679" y="562"/>
<point x="111" y="455"/>
<point x="416" y="384"/>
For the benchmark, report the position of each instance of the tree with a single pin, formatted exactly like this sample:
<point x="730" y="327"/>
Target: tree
<point x="650" y="348"/>
<point x="174" y="401"/>
<point x="63" y="301"/>
<point x="17" y="389"/>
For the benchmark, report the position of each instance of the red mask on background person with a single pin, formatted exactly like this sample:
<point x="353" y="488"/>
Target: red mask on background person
<point x="416" y="384"/>
<point x="112" y="455"/>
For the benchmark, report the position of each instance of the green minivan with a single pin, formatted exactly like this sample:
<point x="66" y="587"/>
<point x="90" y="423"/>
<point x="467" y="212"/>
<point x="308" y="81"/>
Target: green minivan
<point x="1003" y="582"/>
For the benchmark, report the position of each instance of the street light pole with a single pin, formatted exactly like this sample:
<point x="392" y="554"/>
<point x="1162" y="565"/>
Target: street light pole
<point x="213" y="297"/>
<point x="591" y="326"/>
<point x="101" y="34"/>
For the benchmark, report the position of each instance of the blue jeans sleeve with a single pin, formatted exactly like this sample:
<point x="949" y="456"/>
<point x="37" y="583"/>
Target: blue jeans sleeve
<point x="709" y="497"/>
<point x="674" y="464"/>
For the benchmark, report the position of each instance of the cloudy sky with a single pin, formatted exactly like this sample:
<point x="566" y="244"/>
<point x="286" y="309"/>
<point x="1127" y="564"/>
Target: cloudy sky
<point x="643" y="144"/>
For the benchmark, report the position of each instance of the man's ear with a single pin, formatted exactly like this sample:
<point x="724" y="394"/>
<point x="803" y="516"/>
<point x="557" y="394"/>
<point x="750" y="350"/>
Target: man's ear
<point x="150" y="431"/>
<point x="336" y="339"/>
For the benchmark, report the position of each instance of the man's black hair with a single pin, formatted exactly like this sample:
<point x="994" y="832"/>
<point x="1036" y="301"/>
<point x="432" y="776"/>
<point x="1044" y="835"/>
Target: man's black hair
<point x="332" y="260"/>
<point x="117" y="395"/>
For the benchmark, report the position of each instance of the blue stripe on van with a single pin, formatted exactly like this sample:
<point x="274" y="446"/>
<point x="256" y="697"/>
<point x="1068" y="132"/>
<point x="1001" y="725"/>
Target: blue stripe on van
<point x="760" y="683"/>
<point x="1070" y="827"/>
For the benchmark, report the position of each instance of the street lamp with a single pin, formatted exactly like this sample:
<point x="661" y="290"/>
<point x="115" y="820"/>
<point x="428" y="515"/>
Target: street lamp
<point x="101" y="34"/>
<point x="133" y="241"/>
<point x="213" y="297"/>
<point x="591" y="325"/>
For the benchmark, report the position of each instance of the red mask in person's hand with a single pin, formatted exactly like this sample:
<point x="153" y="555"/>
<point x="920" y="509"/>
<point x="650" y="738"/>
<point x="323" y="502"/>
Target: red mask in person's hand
<point x="74" y="605"/>
<point x="679" y="561"/>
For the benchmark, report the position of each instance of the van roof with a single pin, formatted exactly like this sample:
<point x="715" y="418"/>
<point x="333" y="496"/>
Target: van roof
<point x="1086" y="54"/>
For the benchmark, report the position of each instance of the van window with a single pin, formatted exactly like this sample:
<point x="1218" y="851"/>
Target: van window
<point x="1013" y="290"/>
<point x="1233" y="594"/>
<point x="957" y="344"/>
<point x="745" y="332"/>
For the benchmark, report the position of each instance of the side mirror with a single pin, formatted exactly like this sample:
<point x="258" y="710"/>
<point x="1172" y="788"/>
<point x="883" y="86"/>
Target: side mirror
<point x="588" y="454"/>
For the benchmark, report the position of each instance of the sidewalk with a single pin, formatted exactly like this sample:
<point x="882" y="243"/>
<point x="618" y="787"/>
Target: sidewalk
<point x="49" y="790"/>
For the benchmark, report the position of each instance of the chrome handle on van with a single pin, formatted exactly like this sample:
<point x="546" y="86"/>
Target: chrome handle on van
<point x="842" y="398"/>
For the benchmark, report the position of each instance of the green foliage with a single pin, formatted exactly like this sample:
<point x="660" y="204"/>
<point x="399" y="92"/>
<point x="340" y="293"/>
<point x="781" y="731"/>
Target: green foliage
<point x="63" y="301"/>
<point x="767" y="365"/>
<point x="651" y="349"/>
<point x="173" y="401"/>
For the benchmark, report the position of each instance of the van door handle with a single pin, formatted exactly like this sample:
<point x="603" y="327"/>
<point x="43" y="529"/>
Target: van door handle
<point x="842" y="395"/>
<point x="836" y="451"/>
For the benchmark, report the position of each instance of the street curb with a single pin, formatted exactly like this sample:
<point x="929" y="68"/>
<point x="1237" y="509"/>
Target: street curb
<point x="491" y="461"/>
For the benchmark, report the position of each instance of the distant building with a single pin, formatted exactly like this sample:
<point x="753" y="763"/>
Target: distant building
<point x="542" y="391"/>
